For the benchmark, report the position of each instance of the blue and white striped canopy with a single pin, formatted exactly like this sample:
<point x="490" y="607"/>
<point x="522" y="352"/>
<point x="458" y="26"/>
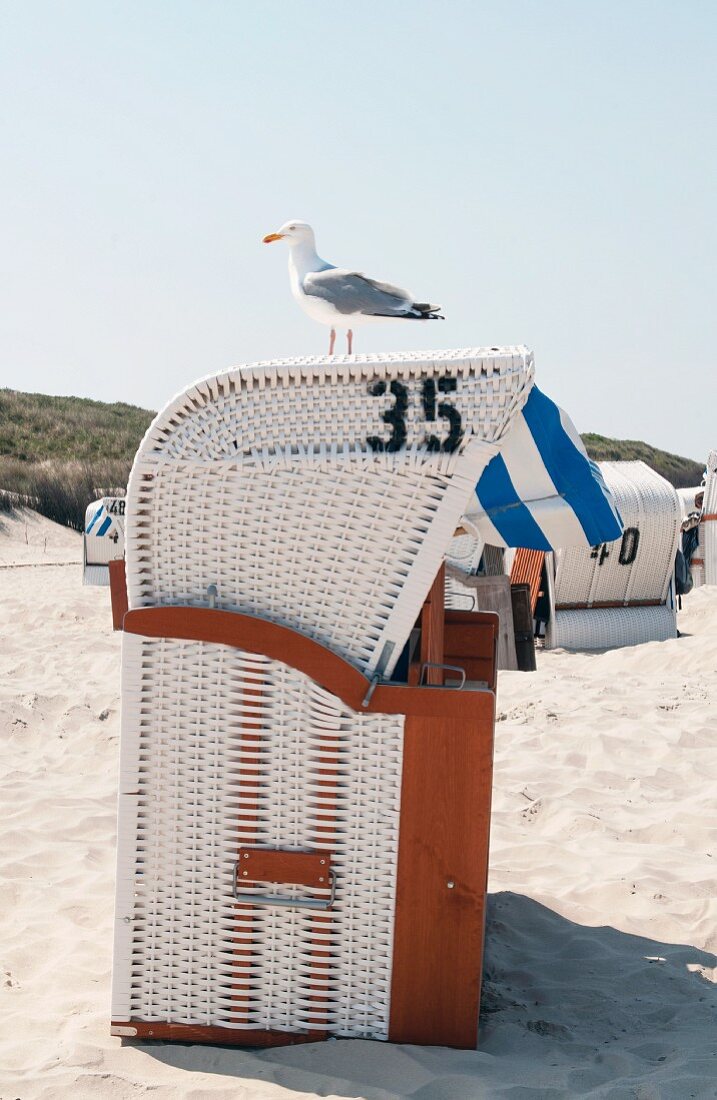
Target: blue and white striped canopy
<point x="97" y="518"/>
<point x="542" y="491"/>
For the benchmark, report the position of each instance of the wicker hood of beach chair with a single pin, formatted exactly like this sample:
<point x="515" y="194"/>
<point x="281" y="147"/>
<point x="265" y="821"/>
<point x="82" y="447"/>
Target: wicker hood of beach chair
<point x="313" y="500"/>
<point x="319" y="494"/>
<point x="620" y="593"/>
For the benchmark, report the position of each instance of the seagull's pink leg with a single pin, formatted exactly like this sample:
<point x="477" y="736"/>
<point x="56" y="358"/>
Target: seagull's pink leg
<point x="350" y="339"/>
<point x="332" y="341"/>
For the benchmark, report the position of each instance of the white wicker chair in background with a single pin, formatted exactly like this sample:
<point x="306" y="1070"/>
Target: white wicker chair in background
<point x="687" y="499"/>
<point x="687" y="504"/>
<point x="707" y="550"/>
<point x="620" y="593"/>
<point x="320" y="494"/>
<point x="102" y="539"/>
<point x="462" y="559"/>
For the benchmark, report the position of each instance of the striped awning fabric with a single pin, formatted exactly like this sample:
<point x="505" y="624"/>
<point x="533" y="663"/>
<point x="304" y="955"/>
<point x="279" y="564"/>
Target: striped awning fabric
<point x="99" y="522"/>
<point x="542" y="491"/>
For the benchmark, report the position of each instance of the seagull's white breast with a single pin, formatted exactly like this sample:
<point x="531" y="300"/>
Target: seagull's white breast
<point x="320" y="310"/>
<point x="316" y="308"/>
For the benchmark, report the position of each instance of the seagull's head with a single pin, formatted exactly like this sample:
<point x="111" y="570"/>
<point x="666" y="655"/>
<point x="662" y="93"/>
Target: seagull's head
<point x="294" y="232"/>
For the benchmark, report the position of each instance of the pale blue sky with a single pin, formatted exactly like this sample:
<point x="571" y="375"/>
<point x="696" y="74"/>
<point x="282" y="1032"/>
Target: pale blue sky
<point x="545" y="170"/>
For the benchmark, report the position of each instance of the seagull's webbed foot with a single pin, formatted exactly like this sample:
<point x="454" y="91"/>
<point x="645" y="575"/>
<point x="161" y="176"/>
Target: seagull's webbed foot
<point x="350" y="340"/>
<point x="332" y="341"/>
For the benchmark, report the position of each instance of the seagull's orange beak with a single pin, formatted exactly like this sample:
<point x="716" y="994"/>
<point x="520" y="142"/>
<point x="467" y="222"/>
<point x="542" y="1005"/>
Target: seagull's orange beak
<point x="272" y="237"/>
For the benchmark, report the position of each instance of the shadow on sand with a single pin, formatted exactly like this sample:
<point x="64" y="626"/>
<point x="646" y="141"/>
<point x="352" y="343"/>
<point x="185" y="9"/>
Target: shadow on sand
<point x="568" y="1011"/>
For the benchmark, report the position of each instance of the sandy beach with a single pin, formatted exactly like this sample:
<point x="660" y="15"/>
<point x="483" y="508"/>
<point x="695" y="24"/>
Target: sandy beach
<point x="602" y="939"/>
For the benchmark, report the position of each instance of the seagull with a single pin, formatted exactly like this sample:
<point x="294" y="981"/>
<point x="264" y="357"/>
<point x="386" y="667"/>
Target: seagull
<point x="341" y="298"/>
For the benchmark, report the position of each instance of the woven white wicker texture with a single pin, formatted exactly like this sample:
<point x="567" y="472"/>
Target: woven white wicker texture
<point x="610" y="627"/>
<point x="708" y="529"/>
<point x="639" y="567"/>
<point x="319" y="493"/>
<point x="687" y="499"/>
<point x="222" y="748"/>
<point x="464" y="555"/>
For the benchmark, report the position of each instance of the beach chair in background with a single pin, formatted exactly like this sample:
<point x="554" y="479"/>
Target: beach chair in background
<point x="527" y="569"/>
<point x="687" y="498"/>
<point x="691" y="533"/>
<point x="467" y="590"/>
<point x="303" y="837"/>
<point x="541" y="493"/>
<point x="102" y="539"/>
<point x="527" y="580"/>
<point x="620" y="593"/>
<point x="707" y="548"/>
<point x="512" y="597"/>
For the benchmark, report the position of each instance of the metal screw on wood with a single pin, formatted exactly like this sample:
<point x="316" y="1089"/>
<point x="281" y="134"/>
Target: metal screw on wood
<point x="450" y="884"/>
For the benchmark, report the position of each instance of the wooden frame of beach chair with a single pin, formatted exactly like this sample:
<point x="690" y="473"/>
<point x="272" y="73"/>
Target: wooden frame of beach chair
<point x="620" y="593"/>
<point x="302" y="845"/>
<point x="526" y="579"/>
<point x="527" y="568"/>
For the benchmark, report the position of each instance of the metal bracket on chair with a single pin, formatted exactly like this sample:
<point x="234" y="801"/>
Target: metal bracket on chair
<point x="449" y="668"/>
<point x="370" y="690"/>
<point x="278" y="899"/>
<point x="289" y="866"/>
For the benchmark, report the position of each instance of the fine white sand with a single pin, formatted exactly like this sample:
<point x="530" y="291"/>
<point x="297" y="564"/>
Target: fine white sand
<point x="602" y="932"/>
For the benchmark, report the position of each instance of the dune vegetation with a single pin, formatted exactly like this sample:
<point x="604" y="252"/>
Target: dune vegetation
<point x="681" y="472"/>
<point x="57" y="454"/>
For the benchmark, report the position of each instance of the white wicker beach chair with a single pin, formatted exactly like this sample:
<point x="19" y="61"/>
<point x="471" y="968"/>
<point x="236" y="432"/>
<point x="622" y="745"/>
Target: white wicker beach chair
<point x="687" y="499"/>
<point x="707" y="551"/>
<point x="620" y="593"/>
<point x="463" y="558"/>
<point x="103" y="539"/>
<point x="697" y="560"/>
<point x="297" y="513"/>
<point x="697" y="567"/>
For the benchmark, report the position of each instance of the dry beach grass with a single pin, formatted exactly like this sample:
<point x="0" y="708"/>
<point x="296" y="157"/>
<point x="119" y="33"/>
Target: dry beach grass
<point x="602" y="937"/>
<point x="60" y="491"/>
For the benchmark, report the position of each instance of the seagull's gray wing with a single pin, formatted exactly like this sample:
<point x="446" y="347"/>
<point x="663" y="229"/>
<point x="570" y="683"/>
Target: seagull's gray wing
<point x="351" y="292"/>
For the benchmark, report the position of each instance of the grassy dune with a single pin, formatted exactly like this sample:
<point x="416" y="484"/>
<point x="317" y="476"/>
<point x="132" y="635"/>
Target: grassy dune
<point x="59" y="453"/>
<point x="681" y="472"/>
<point x="35" y="428"/>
